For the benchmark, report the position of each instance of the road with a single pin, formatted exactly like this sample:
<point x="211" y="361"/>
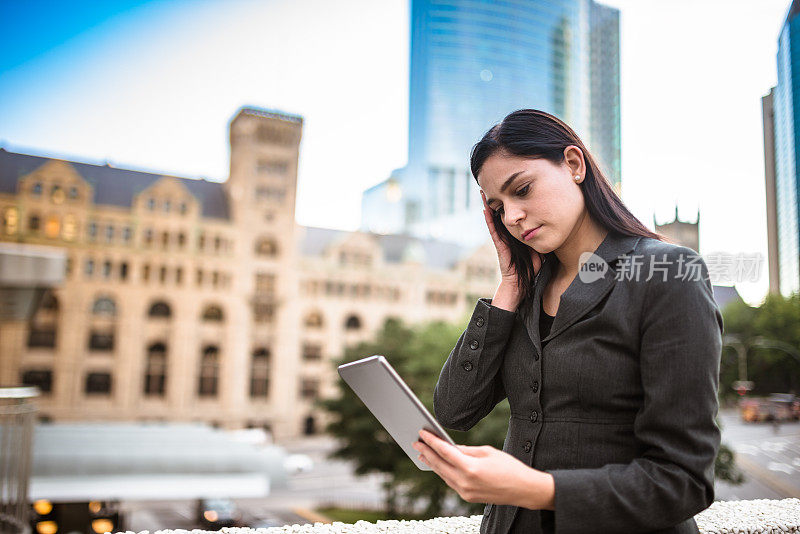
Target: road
<point x="768" y="456"/>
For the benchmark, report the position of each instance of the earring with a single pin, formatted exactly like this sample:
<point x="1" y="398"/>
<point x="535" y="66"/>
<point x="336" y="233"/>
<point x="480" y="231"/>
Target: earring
<point x="577" y="177"/>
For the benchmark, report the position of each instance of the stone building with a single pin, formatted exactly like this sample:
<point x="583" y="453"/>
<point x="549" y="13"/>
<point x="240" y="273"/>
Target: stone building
<point x="191" y="300"/>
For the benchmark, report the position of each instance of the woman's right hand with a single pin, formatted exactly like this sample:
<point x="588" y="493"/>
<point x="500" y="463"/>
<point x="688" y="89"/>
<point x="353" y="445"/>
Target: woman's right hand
<point x="508" y="294"/>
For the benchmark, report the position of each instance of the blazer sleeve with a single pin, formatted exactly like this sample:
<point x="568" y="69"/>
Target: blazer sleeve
<point x="469" y="384"/>
<point x="673" y="479"/>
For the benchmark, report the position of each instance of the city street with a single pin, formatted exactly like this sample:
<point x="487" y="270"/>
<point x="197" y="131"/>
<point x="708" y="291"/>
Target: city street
<point x="770" y="458"/>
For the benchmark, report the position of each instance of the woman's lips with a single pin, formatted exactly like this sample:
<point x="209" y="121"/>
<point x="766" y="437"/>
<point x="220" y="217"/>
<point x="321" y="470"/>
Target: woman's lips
<point x="530" y="233"/>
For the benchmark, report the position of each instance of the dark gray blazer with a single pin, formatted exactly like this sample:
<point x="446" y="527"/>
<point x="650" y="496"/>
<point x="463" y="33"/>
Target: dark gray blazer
<point x="618" y="402"/>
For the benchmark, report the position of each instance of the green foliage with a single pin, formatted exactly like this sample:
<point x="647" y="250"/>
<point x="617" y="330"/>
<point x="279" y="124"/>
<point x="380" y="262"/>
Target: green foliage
<point x="772" y="370"/>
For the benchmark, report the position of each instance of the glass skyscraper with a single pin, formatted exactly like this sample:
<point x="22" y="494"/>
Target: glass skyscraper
<point x="784" y="122"/>
<point x="473" y="62"/>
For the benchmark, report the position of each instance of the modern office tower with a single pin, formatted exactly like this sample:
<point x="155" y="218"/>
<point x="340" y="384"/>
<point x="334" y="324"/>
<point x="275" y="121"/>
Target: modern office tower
<point x="473" y="62"/>
<point x="780" y="126"/>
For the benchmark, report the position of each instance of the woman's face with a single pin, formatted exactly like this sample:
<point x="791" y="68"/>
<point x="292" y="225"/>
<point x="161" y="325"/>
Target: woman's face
<point x="535" y="193"/>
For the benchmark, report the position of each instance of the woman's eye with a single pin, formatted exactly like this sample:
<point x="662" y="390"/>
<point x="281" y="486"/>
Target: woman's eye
<point x="522" y="191"/>
<point x="499" y="211"/>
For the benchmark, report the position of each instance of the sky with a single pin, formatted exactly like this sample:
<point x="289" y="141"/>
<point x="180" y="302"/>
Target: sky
<point x="153" y="85"/>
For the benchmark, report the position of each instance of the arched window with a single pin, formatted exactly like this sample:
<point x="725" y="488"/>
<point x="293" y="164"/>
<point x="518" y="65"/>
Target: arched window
<point x="104" y="306"/>
<point x="353" y="322"/>
<point x="209" y="372"/>
<point x="213" y="313"/>
<point x="159" y="309"/>
<point x="259" y="373"/>
<point x="266" y="246"/>
<point x="155" y="374"/>
<point x="314" y="320"/>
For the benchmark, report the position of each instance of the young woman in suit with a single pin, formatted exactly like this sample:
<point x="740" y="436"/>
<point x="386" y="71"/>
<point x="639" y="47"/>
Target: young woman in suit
<point x="604" y="338"/>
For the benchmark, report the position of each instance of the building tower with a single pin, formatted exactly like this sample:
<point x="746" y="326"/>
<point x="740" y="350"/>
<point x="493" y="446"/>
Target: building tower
<point x="466" y="74"/>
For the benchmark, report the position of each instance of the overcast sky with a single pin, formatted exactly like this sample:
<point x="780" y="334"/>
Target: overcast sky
<point x="152" y="86"/>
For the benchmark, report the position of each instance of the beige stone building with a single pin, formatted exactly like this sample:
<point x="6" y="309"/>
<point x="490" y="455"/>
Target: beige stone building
<point x="190" y="300"/>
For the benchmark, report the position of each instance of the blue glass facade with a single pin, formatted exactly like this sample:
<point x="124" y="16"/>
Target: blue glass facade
<point x="473" y="62"/>
<point x="786" y="122"/>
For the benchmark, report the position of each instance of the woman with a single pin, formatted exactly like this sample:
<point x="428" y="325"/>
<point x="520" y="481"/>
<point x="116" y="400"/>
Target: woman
<point x="605" y="339"/>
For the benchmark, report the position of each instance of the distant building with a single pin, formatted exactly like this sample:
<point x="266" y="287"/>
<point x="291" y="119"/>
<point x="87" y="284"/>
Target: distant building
<point x="195" y="301"/>
<point x="781" y="150"/>
<point x="687" y="234"/>
<point x="473" y="62"/>
<point x="681" y="232"/>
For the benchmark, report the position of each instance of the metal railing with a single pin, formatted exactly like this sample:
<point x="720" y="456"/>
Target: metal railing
<point x="17" y="417"/>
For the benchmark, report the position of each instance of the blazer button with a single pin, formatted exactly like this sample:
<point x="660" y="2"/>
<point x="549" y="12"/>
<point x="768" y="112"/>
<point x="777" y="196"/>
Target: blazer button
<point x="467" y="366"/>
<point x="528" y="446"/>
<point x="535" y="386"/>
<point x="473" y="344"/>
<point x="479" y="321"/>
<point x="534" y="416"/>
<point x="536" y="356"/>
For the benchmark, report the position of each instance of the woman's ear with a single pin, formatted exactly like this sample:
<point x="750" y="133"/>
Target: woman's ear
<point x="573" y="158"/>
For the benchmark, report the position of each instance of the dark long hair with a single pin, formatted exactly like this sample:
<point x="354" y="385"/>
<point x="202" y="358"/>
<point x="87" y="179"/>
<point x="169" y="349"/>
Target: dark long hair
<point x="530" y="133"/>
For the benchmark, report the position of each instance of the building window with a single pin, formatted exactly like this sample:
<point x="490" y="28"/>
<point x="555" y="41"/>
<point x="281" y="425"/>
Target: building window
<point x="265" y="284"/>
<point x="92" y="230"/>
<point x="164" y="240"/>
<point x="215" y="278"/>
<point x="73" y="193"/>
<point x="109" y="234"/>
<point x="52" y="227"/>
<point x="184" y="208"/>
<point x="263" y="311"/>
<point x="40" y="378"/>
<point x="199" y="277"/>
<point x="11" y="221"/>
<point x="167" y="206"/>
<point x="104" y="306"/>
<point x="312" y="351"/>
<point x="353" y="322"/>
<point x="209" y="372"/>
<point x="42" y="337"/>
<point x="213" y="313"/>
<point x="146" y="272"/>
<point x="162" y="274"/>
<point x="89" y="267"/>
<point x="266" y="246"/>
<point x="159" y="309"/>
<point x="272" y="167"/>
<point x="106" y="269"/>
<point x="201" y="242"/>
<point x="179" y="276"/>
<point x="101" y="340"/>
<point x="98" y="383"/>
<point x="123" y="270"/>
<point x="309" y="388"/>
<point x="148" y="237"/>
<point x="259" y="373"/>
<point x="151" y="203"/>
<point x="314" y="320"/>
<point x="70" y="228"/>
<point x="57" y="195"/>
<point x="217" y="243"/>
<point x="181" y="240"/>
<point x="37" y="188"/>
<point x="155" y="374"/>
<point x="34" y="223"/>
<point x="127" y="234"/>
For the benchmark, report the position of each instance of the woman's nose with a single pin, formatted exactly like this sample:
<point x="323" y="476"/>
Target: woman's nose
<point x="513" y="215"/>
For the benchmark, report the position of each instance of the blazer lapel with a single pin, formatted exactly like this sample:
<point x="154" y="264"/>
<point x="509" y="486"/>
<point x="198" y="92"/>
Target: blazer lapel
<point x="580" y="296"/>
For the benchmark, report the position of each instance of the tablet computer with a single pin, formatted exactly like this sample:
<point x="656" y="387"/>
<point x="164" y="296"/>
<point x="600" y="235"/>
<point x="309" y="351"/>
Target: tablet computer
<point x="392" y="402"/>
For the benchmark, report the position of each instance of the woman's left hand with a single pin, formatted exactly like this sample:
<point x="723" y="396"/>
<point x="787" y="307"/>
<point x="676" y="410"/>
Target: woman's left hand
<point x="485" y="474"/>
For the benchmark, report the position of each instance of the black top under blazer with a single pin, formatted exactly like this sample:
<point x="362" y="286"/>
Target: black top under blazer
<point x="619" y="405"/>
